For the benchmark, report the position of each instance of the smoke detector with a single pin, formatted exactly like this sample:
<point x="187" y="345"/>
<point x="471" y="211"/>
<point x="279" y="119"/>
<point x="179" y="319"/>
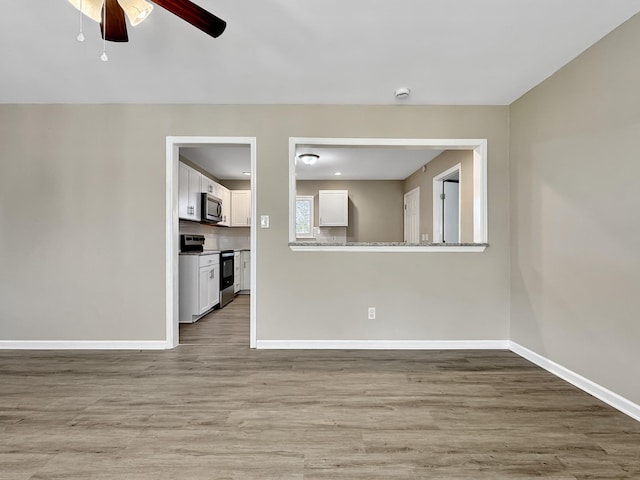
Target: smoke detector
<point x="402" y="93"/>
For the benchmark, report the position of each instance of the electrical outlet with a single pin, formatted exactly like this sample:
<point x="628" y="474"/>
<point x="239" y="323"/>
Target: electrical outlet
<point x="371" y="312"/>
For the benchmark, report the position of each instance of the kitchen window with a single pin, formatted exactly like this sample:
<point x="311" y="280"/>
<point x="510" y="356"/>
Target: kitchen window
<point x="304" y="216"/>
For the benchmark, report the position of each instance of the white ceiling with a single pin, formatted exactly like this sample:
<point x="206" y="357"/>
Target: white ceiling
<point x="296" y="51"/>
<point x="225" y="162"/>
<point x="364" y="163"/>
<point x="228" y="162"/>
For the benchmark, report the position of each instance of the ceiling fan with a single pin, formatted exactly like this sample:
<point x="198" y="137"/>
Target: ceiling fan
<point x="111" y="15"/>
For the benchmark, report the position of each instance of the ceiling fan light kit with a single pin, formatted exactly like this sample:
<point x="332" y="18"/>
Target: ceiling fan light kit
<point x="90" y="8"/>
<point x="136" y="10"/>
<point x="111" y="16"/>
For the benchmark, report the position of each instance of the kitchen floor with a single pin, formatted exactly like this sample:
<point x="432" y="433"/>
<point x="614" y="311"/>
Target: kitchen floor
<point x="214" y="409"/>
<point x="226" y="326"/>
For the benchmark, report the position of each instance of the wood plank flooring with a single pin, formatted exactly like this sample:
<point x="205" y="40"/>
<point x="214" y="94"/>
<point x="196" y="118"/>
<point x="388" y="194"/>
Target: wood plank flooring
<point x="214" y="409"/>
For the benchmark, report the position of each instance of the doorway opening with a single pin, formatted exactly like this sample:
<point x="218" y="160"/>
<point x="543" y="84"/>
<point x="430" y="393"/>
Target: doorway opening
<point x="173" y="148"/>
<point x="446" y="205"/>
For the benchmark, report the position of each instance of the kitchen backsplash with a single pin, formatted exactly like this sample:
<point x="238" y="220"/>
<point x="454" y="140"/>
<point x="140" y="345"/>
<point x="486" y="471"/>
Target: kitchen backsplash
<point x="218" y="238"/>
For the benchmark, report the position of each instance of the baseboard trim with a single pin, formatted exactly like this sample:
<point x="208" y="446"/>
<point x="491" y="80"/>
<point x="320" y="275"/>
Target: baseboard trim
<point x="607" y="396"/>
<point x="384" y="344"/>
<point x="82" y="345"/>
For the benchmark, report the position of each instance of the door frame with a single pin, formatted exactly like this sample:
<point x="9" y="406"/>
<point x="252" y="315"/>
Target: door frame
<point x="411" y="192"/>
<point x="173" y="144"/>
<point x="438" y="180"/>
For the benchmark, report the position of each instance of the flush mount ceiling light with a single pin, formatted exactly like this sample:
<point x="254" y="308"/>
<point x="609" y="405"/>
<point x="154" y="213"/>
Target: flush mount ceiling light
<point x="337" y="174"/>
<point x="247" y="174"/>
<point x="309" y="158"/>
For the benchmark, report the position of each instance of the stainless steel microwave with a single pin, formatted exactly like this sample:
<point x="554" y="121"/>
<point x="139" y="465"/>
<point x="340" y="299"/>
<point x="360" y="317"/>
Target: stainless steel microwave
<point x="211" y="208"/>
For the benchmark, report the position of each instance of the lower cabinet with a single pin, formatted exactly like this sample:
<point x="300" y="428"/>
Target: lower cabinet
<point x="245" y="257"/>
<point x="237" y="275"/>
<point x="199" y="285"/>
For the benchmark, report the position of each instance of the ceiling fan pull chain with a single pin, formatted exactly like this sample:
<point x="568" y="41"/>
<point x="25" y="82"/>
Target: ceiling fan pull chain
<point x="104" y="56"/>
<point x="80" y="36"/>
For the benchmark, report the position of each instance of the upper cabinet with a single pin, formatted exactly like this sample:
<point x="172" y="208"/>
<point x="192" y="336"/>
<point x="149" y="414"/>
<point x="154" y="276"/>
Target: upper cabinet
<point x="333" y="208"/>
<point x="240" y="208"/>
<point x="192" y="183"/>
<point x="189" y="189"/>
<point x="209" y="186"/>
<point x="225" y="196"/>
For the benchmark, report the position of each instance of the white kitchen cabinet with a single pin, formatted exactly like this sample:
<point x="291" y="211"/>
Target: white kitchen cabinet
<point x="189" y="189"/>
<point x="240" y="208"/>
<point x="209" y="186"/>
<point x="199" y="277"/>
<point x="245" y="258"/>
<point x="237" y="272"/>
<point x="333" y="208"/>
<point x="225" y="196"/>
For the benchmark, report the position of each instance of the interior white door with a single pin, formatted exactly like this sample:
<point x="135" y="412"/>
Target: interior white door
<point x="451" y="211"/>
<point x="412" y="216"/>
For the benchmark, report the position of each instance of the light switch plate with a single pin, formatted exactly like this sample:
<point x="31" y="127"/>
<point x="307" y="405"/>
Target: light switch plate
<point x="264" y="221"/>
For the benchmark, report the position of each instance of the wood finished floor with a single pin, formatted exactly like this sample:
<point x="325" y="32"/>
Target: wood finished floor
<point x="214" y="409"/>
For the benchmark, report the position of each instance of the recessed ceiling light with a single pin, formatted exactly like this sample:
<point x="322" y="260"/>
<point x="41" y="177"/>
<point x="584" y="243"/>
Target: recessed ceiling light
<point x="248" y="174"/>
<point x="337" y="174"/>
<point x="309" y="158"/>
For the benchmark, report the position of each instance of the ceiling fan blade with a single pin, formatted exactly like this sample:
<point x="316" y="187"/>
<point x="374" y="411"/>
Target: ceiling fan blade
<point x="113" y="25"/>
<point x="195" y="15"/>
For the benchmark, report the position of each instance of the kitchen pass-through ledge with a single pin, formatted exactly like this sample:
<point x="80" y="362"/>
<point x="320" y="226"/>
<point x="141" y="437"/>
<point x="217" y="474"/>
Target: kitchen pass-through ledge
<point x="311" y="246"/>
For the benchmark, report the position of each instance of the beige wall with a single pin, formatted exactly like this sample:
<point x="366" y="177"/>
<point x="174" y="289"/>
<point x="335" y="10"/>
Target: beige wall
<point x="424" y="180"/>
<point x="375" y="207"/>
<point x="575" y="217"/>
<point x="236" y="184"/>
<point x="82" y="257"/>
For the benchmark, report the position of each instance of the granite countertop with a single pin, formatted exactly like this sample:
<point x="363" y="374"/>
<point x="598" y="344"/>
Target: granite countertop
<point x="384" y="244"/>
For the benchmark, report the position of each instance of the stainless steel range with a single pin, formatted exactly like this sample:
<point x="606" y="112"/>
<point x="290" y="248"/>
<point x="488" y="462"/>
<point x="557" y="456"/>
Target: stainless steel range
<point x="226" y="277"/>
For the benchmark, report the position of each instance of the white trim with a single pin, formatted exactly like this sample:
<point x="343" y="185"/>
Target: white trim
<point x="292" y="188"/>
<point x="389" y="248"/>
<point x="253" y="309"/>
<point x="478" y="145"/>
<point x="83" y="345"/>
<point x="480" y="215"/>
<point x="607" y="396"/>
<point x="172" y="231"/>
<point x="438" y="229"/>
<point x="385" y="344"/>
<point x="171" y="242"/>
